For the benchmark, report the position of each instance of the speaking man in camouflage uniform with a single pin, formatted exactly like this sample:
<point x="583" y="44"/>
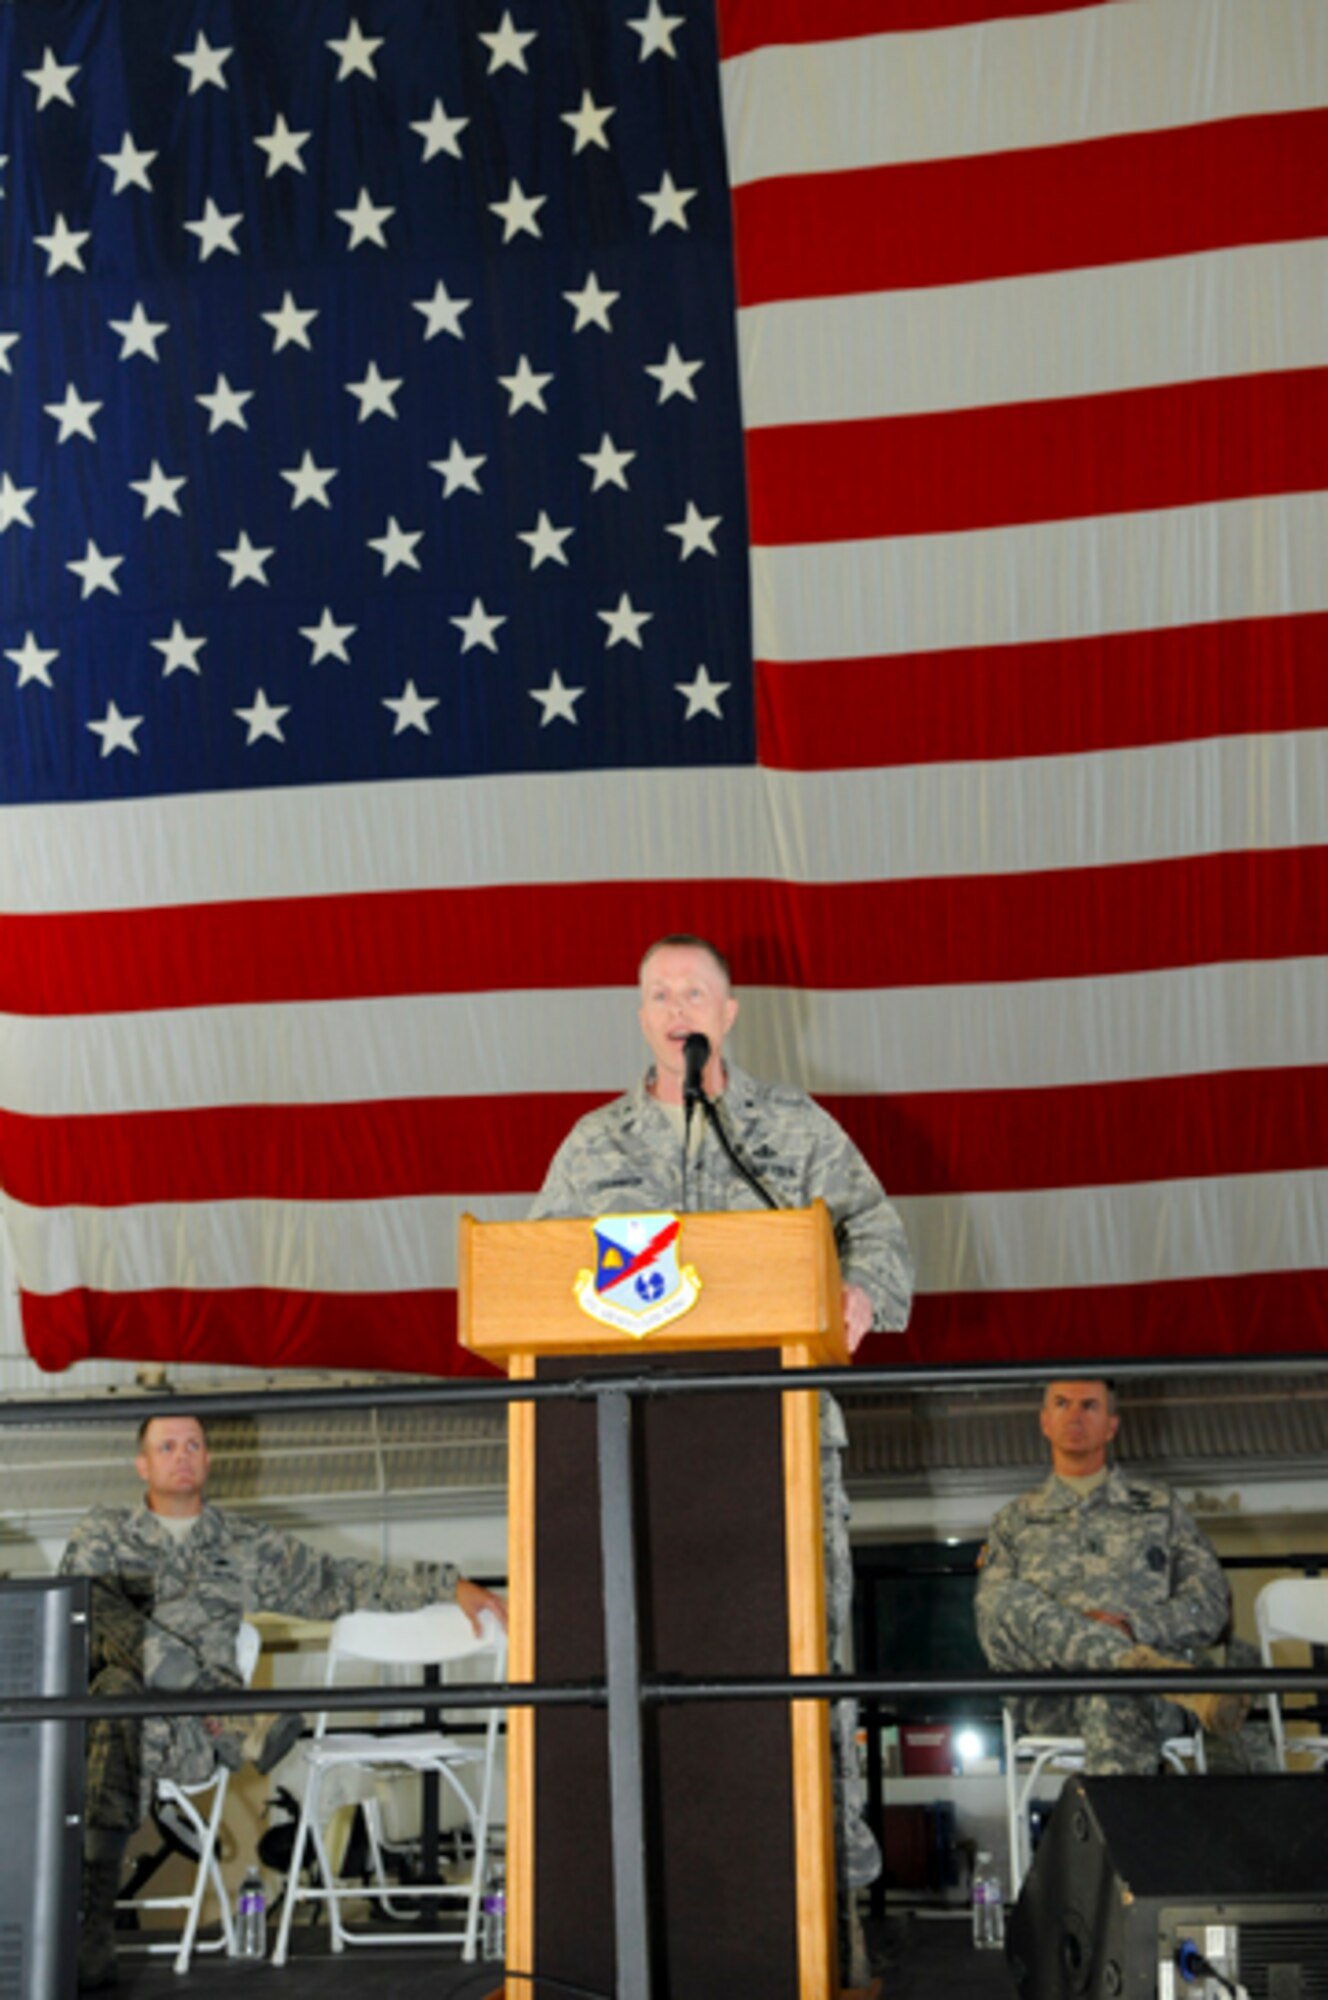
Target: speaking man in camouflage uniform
<point x="629" y="1155"/>
<point x="171" y="1581"/>
<point x="1097" y="1572"/>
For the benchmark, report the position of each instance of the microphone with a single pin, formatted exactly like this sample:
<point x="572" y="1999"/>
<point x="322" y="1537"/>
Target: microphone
<point x="696" y="1054"/>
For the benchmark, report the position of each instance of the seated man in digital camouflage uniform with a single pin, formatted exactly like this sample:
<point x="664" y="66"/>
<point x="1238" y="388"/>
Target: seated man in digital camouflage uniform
<point x="629" y="1156"/>
<point x="171" y="1581"/>
<point x="1098" y="1572"/>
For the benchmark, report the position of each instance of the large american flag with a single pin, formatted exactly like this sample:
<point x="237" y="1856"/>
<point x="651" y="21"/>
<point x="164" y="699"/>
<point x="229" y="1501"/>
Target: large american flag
<point x="483" y="485"/>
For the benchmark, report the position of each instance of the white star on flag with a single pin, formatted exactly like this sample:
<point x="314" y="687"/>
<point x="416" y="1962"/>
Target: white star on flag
<point x="283" y="147"/>
<point x="588" y="123"/>
<point x="248" y="564"/>
<point x="63" y="247"/>
<point x="356" y="51"/>
<point x="518" y="211"/>
<point x="205" y="65"/>
<point x="557" y="701"/>
<point x="290" y="324"/>
<point x="262" y="718"/>
<point x="51" y="80"/>
<point x="327" y="638"/>
<point x="14" y="503"/>
<point x="7" y="340"/>
<point x="74" y="415"/>
<point x="442" y="313"/>
<point x="545" y="542"/>
<point x="507" y="46"/>
<point x="179" y="652"/>
<point x="702" y="695"/>
<point x="458" y="469"/>
<point x="624" y="623"/>
<point x="377" y="393"/>
<point x="139" y="334"/>
<point x="116" y="731"/>
<point x="439" y="132"/>
<point x="694" y="531"/>
<point x="396" y="545"/>
<point x="668" y="205"/>
<point x="32" y="661"/>
<point x="411" y="709"/>
<point x="96" y="570"/>
<point x="159" y="491"/>
<point x="215" y="231"/>
<point x="365" y="221"/>
<point x="655" y="28"/>
<point x="674" y="375"/>
<point x="525" y="388"/>
<point x="309" y="482"/>
<point x="130" y="165"/>
<point x="592" y="304"/>
<point x="608" y="464"/>
<point x="225" y="405"/>
<point x="478" y="627"/>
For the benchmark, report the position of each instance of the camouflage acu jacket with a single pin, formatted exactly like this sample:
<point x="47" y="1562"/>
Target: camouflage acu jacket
<point x="168" y="1610"/>
<point x="1128" y="1547"/>
<point x="627" y="1156"/>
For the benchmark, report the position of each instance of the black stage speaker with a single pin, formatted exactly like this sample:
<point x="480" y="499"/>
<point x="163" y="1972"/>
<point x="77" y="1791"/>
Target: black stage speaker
<point x="43" y="1650"/>
<point x="1135" y="1875"/>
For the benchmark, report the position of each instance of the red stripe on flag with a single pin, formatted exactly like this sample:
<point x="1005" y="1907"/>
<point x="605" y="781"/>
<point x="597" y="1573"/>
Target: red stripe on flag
<point x="1060" y="208"/>
<point x="921" y="1143"/>
<point x="406" y="1333"/>
<point x="1275" y="1312"/>
<point x="1054" y="923"/>
<point x="953" y="470"/>
<point x="1093" y="1134"/>
<point x="1043" y="700"/>
<point x="1260" y="1312"/>
<point x="755" y="24"/>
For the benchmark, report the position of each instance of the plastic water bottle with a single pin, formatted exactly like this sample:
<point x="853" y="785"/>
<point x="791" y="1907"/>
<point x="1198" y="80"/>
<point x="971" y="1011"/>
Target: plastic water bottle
<point x="494" y="1942"/>
<point x="251" y="1917"/>
<point x="988" y="1904"/>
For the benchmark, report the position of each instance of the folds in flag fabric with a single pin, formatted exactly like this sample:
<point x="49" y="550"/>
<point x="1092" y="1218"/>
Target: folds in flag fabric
<point x="482" y="486"/>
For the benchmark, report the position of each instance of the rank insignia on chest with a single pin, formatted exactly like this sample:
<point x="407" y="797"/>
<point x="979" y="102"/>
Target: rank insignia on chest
<point x="637" y="1285"/>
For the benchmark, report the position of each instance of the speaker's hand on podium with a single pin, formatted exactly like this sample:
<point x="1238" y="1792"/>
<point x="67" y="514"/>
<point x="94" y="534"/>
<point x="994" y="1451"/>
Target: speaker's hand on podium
<point x="857" y="1316"/>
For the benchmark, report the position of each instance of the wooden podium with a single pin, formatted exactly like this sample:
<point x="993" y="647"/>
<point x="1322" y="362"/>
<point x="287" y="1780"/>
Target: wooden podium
<point x="739" y="1866"/>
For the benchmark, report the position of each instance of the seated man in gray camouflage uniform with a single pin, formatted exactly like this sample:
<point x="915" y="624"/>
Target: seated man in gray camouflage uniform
<point x="1095" y="1573"/>
<point x="629" y="1156"/>
<point x="171" y="1581"/>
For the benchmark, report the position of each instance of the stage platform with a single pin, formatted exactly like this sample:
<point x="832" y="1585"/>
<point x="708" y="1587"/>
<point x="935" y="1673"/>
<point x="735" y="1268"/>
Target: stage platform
<point x="918" y="1957"/>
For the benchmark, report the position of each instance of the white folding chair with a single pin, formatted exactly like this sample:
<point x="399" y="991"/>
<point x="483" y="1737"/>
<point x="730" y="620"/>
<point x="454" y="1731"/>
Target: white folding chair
<point x="1060" y="1755"/>
<point x="203" y="1818"/>
<point x="1292" y="1608"/>
<point x="441" y="1635"/>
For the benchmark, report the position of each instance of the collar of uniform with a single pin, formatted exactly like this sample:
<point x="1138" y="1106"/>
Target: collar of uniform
<point x="740" y="1090"/>
<point x="1056" y="1496"/>
<point x="149" y="1523"/>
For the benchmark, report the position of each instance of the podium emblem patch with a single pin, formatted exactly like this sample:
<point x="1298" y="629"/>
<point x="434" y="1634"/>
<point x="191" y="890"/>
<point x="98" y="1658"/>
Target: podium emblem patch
<point x="637" y="1285"/>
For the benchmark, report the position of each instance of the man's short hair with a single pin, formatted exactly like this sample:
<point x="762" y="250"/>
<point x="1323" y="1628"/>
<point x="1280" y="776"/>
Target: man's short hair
<point x="685" y="941"/>
<point x="169" y="1416"/>
<point x="1107" y="1381"/>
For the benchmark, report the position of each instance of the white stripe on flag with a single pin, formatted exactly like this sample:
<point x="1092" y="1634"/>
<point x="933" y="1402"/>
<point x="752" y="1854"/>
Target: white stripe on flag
<point x="1052" y="334"/>
<point x="1029" y="1033"/>
<point x="1050" y="1238"/>
<point x="1069" y="1237"/>
<point x="1007" y="85"/>
<point x="1052" y="580"/>
<point x="1155" y="803"/>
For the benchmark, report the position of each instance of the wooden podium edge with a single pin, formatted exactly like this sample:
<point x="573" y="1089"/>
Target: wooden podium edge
<point x="809" y="1721"/>
<point x="520" y="1949"/>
